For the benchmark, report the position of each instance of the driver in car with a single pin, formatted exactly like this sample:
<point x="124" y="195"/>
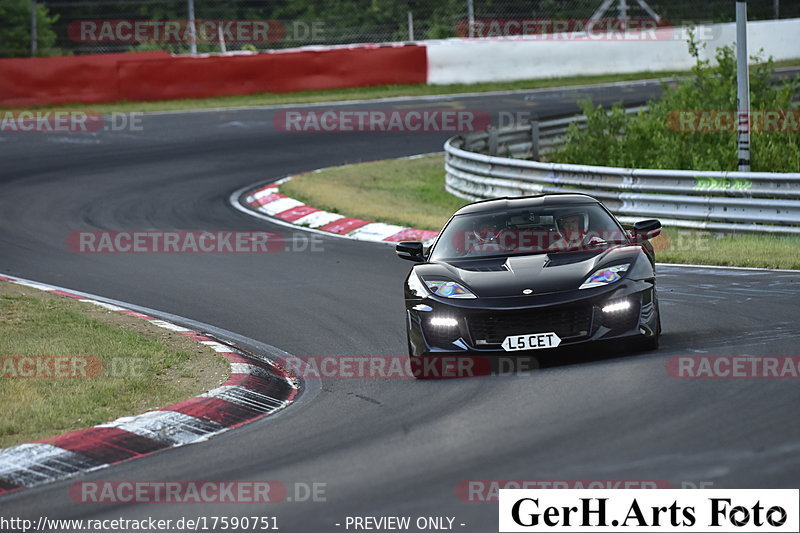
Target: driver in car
<point x="571" y="229"/>
<point x="485" y="234"/>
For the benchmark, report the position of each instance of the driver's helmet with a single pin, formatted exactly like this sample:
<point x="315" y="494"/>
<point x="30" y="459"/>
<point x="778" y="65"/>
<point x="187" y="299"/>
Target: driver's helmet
<point x="572" y="220"/>
<point x="488" y="229"/>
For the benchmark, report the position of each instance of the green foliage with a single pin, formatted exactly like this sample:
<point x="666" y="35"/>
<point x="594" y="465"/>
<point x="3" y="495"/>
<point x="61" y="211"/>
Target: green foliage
<point x="15" y="30"/>
<point x="653" y="139"/>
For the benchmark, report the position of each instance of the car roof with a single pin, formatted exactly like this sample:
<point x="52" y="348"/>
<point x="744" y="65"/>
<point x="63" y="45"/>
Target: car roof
<point x="540" y="200"/>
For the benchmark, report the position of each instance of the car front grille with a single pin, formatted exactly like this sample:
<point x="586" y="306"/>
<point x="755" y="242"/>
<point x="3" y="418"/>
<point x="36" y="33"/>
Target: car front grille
<point x="492" y="327"/>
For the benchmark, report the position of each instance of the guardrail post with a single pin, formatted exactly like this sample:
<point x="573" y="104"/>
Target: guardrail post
<point x="535" y="137"/>
<point x="34" y="30"/>
<point x="493" y="138"/>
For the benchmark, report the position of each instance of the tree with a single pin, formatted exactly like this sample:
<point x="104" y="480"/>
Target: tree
<point x="15" y="32"/>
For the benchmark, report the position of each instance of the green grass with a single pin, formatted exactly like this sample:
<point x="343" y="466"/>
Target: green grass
<point x="787" y="63"/>
<point x="141" y="369"/>
<point x="762" y="250"/>
<point x="410" y="192"/>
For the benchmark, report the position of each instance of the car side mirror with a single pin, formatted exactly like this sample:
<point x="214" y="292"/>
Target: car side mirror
<point x="410" y="250"/>
<point x="644" y="230"/>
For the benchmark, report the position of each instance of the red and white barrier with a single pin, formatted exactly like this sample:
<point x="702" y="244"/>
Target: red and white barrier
<point x="159" y="76"/>
<point x="559" y="55"/>
<point x="92" y="79"/>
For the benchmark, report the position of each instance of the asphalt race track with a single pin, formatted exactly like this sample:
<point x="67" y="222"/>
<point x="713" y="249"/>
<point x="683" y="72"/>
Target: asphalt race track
<point x="386" y="446"/>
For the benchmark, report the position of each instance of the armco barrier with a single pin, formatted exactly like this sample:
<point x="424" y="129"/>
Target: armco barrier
<point x="159" y="76"/>
<point x="717" y="201"/>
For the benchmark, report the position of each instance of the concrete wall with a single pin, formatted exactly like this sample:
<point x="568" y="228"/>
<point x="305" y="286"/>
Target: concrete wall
<point x="665" y="49"/>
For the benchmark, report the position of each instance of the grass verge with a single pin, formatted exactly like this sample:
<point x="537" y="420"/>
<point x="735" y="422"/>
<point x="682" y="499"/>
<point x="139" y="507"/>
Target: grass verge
<point x="410" y="192"/>
<point x="143" y="367"/>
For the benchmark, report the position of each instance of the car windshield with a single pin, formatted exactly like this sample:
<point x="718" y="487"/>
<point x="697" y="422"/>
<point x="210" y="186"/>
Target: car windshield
<point x="529" y="230"/>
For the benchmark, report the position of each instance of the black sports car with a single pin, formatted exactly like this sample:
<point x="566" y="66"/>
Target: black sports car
<point x="529" y="273"/>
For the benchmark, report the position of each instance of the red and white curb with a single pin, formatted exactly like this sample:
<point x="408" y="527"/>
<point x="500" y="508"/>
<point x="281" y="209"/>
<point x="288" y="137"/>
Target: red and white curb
<point x="255" y="389"/>
<point x="269" y="201"/>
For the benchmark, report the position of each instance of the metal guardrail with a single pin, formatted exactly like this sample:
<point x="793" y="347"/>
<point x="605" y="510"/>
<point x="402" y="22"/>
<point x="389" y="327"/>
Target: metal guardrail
<point x="503" y="162"/>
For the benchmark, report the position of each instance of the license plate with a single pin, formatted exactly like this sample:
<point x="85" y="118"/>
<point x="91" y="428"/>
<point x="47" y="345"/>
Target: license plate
<point x="532" y="341"/>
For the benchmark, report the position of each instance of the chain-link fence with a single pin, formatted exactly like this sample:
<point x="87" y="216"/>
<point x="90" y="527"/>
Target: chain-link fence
<point x="54" y="27"/>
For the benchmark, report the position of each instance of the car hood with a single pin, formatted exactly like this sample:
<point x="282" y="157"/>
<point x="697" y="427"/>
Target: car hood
<point x="543" y="273"/>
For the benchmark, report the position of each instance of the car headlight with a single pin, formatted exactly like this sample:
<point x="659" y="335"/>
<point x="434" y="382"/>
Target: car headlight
<point x="604" y="276"/>
<point x="416" y="286"/>
<point x="449" y="289"/>
<point x="443" y="288"/>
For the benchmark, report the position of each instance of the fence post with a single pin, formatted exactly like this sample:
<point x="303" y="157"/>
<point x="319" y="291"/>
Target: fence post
<point x="192" y="29"/>
<point x="222" y="47"/>
<point x="410" y="26"/>
<point x="535" y="137"/>
<point x="34" y="30"/>
<point x="471" y="18"/>
<point x="493" y="139"/>
<point x="743" y="86"/>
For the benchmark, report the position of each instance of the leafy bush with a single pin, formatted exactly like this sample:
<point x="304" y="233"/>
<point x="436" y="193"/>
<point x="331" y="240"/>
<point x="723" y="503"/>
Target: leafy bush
<point x="15" y="30"/>
<point x="651" y="139"/>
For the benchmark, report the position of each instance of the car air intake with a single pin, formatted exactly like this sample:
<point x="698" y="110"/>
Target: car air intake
<point x="492" y="327"/>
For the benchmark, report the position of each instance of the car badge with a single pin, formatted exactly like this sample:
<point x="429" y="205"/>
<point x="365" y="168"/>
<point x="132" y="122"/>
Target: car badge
<point x="527" y="291"/>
